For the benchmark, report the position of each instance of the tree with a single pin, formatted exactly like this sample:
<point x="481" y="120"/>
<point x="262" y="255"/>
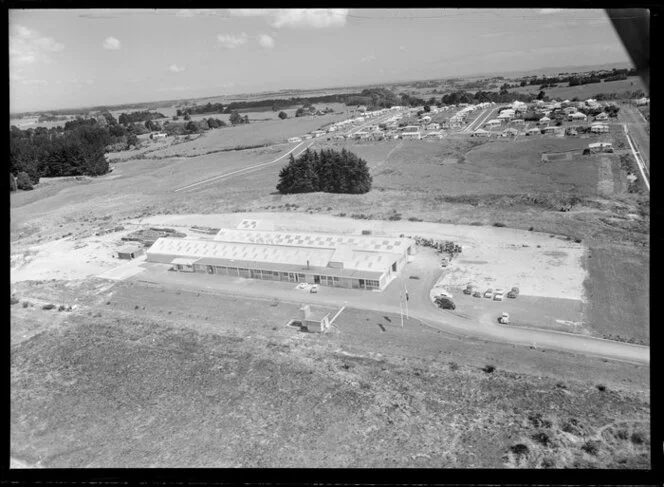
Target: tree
<point x="187" y="116"/>
<point x="300" y="112"/>
<point x="523" y="83"/>
<point x="427" y="108"/>
<point x="245" y="119"/>
<point x="12" y="182"/>
<point x="235" y="118"/>
<point x="283" y="115"/>
<point x="23" y="181"/>
<point x="541" y="95"/>
<point x="328" y="171"/>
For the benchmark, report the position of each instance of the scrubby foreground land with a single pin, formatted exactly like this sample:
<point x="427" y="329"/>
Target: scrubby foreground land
<point x="147" y="376"/>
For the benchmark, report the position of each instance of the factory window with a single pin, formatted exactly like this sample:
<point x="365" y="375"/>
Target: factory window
<point x="372" y="284"/>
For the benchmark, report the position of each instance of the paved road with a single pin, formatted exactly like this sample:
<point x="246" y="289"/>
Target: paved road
<point x="636" y="126"/>
<point x="486" y="114"/>
<point x="420" y="308"/>
<point x="245" y="170"/>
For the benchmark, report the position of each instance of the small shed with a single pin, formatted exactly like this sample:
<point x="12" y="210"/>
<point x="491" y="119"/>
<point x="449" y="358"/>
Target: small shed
<point x="130" y="252"/>
<point x="319" y="319"/>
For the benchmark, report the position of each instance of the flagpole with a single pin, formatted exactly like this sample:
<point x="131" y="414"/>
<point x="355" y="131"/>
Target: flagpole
<point x="401" y="308"/>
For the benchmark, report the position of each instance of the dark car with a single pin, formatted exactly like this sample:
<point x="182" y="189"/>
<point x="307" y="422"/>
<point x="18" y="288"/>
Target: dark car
<point x="445" y="303"/>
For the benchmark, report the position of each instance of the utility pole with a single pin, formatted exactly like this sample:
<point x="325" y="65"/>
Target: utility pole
<point x="401" y="308"/>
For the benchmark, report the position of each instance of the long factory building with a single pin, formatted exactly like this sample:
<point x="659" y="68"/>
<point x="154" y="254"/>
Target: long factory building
<point x="349" y="261"/>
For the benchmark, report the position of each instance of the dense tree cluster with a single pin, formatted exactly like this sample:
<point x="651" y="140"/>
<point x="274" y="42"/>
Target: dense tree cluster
<point x="237" y="119"/>
<point x="133" y="117"/>
<point x="575" y="79"/>
<point x="329" y="171"/>
<point x="200" y="109"/>
<point x="283" y="115"/>
<point x="76" y="150"/>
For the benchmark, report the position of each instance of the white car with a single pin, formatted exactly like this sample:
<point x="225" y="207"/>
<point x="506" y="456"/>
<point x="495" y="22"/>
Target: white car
<point x="314" y="288"/>
<point x="498" y="296"/>
<point x="302" y="285"/>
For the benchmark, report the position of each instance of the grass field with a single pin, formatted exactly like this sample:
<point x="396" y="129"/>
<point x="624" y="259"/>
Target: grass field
<point x="583" y="92"/>
<point x="619" y="286"/>
<point x="160" y="378"/>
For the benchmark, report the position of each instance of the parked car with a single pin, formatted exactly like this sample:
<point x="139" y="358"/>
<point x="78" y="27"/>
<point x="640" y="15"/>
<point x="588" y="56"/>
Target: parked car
<point x="514" y="292"/>
<point x="314" y="288"/>
<point x="302" y="285"/>
<point x="477" y="294"/>
<point x="445" y="293"/>
<point x="498" y="296"/>
<point x="488" y="293"/>
<point x="470" y="288"/>
<point x="504" y="319"/>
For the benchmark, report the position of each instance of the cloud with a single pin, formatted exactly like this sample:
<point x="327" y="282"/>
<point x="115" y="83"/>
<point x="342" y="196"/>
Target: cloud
<point x="298" y="17"/>
<point x="546" y="11"/>
<point x="111" y="43"/>
<point x="175" y="88"/>
<point x="27" y="46"/>
<point x="175" y="68"/>
<point x="40" y="82"/>
<point x="231" y="41"/>
<point x="365" y="59"/>
<point x="188" y="13"/>
<point x="266" y="41"/>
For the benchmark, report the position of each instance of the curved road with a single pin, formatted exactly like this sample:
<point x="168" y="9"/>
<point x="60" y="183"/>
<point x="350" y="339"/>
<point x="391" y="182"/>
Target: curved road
<point x="420" y="309"/>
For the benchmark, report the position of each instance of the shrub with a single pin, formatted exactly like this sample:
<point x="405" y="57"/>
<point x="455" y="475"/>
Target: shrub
<point x="577" y="240"/>
<point x="622" y="434"/>
<point x="498" y="224"/>
<point x="14" y="300"/>
<point x="638" y="438"/>
<point x="520" y="449"/>
<point x="542" y="438"/>
<point x="414" y="219"/>
<point x="48" y="306"/>
<point x="23" y="181"/>
<point x="548" y="462"/>
<point x="395" y="217"/>
<point x="531" y="229"/>
<point x="601" y="387"/>
<point x="489" y="368"/>
<point x="561" y="385"/>
<point x="454" y="366"/>
<point x="591" y="447"/>
<point x="62" y="307"/>
<point x="25" y="304"/>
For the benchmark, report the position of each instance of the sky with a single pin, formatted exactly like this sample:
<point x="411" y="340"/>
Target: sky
<point x="77" y="58"/>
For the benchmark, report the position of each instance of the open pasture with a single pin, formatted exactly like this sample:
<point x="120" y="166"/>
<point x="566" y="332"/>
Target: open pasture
<point x="583" y="92"/>
<point x="257" y="133"/>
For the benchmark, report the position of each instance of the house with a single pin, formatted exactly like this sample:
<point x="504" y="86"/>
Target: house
<point x="544" y="121"/>
<point x="493" y="123"/>
<point x="569" y="110"/>
<point x="158" y="135"/>
<point x="602" y="116"/>
<point x="533" y="131"/>
<point x="600" y="147"/>
<point x="433" y="126"/>
<point x="411" y="135"/>
<point x="425" y="119"/>
<point x="130" y="252"/>
<point x="577" y="116"/>
<point x="643" y="101"/>
<point x="599" y="128"/>
<point x="293" y="140"/>
<point x="518" y="121"/>
<point x="481" y="133"/>
<point x="510" y="132"/>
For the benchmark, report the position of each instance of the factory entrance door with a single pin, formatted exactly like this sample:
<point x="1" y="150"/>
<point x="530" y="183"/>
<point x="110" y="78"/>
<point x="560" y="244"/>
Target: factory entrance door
<point x="316" y="279"/>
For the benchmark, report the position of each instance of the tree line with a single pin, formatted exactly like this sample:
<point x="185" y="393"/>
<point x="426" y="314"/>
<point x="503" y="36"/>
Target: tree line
<point x="328" y="171"/>
<point x="133" y="117"/>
